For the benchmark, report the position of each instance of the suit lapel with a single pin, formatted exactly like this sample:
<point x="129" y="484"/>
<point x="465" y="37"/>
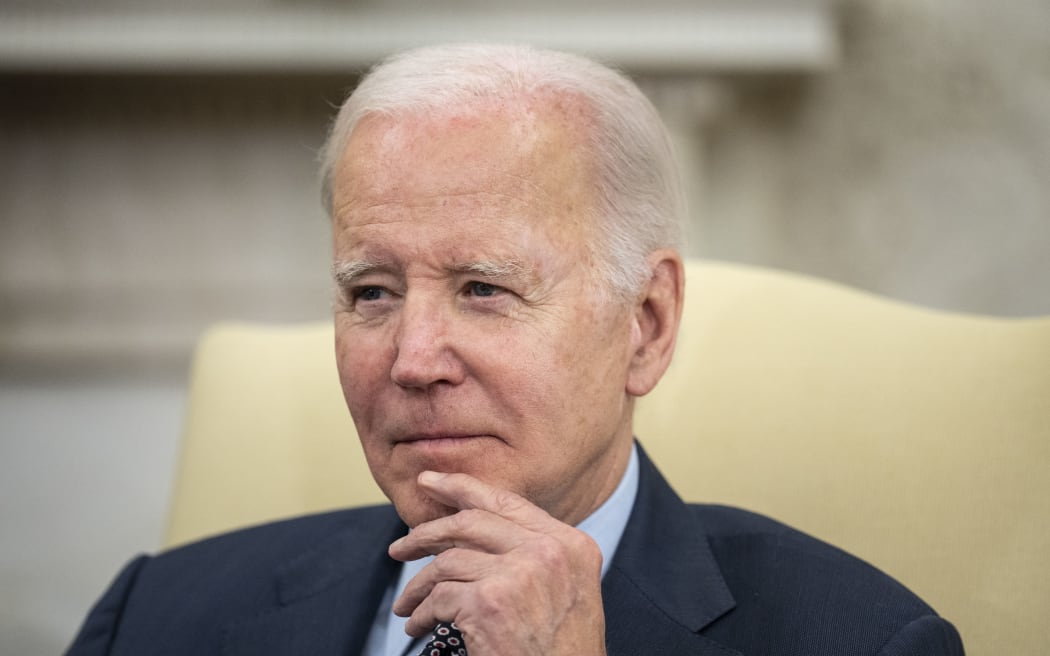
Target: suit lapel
<point x="664" y="584"/>
<point x="327" y="597"/>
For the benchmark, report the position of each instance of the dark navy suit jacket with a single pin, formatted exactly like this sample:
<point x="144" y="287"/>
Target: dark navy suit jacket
<point x="686" y="579"/>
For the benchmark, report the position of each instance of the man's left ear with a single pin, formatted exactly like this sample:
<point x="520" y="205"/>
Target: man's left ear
<point x="657" y="313"/>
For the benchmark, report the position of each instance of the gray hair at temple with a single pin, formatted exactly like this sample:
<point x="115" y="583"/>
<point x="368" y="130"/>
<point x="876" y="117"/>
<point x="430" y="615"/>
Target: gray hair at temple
<point x="640" y="203"/>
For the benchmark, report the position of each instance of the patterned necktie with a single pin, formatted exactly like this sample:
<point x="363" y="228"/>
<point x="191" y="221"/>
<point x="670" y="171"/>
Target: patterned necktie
<point x="446" y="641"/>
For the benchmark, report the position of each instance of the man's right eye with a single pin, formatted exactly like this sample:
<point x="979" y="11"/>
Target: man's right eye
<point x="370" y="293"/>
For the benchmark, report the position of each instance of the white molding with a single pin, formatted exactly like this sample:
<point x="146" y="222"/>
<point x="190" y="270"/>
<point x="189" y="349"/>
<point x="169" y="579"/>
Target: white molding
<point x="677" y="55"/>
<point x="742" y="37"/>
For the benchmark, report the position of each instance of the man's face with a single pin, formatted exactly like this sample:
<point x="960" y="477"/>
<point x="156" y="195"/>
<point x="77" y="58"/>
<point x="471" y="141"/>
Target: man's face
<point x="469" y="335"/>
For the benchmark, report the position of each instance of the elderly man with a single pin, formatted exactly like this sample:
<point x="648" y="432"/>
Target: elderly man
<point x="504" y="228"/>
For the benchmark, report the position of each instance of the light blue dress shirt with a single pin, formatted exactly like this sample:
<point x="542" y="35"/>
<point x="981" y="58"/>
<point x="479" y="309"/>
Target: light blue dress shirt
<point x="605" y="526"/>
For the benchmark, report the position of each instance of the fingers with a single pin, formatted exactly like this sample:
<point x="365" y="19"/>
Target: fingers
<point x="489" y="519"/>
<point x="464" y="492"/>
<point x="440" y="606"/>
<point x="468" y="529"/>
<point x="459" y="566"/>
<point x="513" y="578"/>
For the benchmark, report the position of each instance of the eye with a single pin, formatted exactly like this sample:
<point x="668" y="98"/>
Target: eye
<point x="369" y="293"/>
<point x="370" y="302"/>
<point x="482" y="289"/>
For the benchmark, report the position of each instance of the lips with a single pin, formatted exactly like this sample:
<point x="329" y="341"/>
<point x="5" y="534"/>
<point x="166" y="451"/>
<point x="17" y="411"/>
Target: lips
<point x="450" y="444"/>
<point x="438" y="438"/>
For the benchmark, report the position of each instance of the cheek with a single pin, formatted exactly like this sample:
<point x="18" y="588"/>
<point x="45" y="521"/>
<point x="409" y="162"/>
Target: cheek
<point x="594" y="370"/>
<point x="360" y="367"/>
<point x="559" y="391"/>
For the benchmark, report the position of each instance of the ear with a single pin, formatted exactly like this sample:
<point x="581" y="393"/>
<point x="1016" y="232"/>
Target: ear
<point x="657" y="313"/>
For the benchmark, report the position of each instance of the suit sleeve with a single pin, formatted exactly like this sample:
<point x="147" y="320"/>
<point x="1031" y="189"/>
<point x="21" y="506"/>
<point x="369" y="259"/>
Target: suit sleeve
<point x="929" y="635"/>
<point x="99" y="630"/>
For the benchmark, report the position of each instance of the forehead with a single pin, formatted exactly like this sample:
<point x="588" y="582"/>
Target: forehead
<point x="533" y="149"/>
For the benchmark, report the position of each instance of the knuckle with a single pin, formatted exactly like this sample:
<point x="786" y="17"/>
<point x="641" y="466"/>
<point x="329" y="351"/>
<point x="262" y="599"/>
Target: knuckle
<point x="441" y="594"/>
<point x="475" y="515"/>
<point x="506" y="502"/>
<point x="587" y="552"/>
<point x="458" y="522"/>
<point x="491" y="598"/>
<point x="549" y="552"/>
<point x="566" y="553"/>
<point x="464" y="520"/>
<point x="440" y="565"/>
<point x="585" y="545"/>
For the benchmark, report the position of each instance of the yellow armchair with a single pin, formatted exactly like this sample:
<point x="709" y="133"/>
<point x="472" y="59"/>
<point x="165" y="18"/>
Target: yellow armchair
<point x="915" y="439"/>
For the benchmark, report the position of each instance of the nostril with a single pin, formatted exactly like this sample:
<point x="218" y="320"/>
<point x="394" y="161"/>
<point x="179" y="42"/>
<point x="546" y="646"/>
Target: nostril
<point x="423" y="368"/>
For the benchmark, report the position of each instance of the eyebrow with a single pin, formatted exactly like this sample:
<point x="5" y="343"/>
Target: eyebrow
<point x="345" y="273"/>
<point x="496" y="270"/>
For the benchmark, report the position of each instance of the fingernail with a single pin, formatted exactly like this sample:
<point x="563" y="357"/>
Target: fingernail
<point x="430" y="477"/>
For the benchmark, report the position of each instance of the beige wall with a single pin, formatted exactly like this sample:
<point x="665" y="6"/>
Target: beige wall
<point x="917" y="169"/>
<point x="136" y="210"/>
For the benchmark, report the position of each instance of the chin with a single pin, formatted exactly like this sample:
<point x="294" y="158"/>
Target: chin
<point x="415" y="508"/>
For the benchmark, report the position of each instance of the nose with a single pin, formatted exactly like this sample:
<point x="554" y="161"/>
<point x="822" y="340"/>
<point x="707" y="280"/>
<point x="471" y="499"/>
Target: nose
<point x="425" y="347"/>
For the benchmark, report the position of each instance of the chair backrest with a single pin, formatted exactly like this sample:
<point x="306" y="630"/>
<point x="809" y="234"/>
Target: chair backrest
<point x="918" y="440"/>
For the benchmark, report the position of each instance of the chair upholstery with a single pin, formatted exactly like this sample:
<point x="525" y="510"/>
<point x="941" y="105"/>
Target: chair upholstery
<point x="918" y="440"/>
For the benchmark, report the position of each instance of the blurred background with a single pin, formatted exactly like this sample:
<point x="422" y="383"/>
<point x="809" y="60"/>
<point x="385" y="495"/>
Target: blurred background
<point x="157" y="174"/>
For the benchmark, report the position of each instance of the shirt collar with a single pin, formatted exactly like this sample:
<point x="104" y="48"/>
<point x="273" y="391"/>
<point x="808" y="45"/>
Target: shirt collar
<point x="606" y="524"/>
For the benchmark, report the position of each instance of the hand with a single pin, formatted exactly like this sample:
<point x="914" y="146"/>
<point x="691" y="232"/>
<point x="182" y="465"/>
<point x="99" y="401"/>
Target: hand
<point x="514" y="579"/>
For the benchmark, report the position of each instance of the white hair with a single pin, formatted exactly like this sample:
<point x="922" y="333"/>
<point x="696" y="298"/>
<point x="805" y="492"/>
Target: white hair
<point x="640" y="204"/>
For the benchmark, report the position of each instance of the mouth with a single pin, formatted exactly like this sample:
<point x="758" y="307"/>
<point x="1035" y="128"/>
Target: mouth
<point x="444" y="445"/>
<point x="439" y="439"/>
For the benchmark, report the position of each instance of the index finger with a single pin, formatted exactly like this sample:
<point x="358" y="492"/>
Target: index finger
<point x="473" y="529"/>
<point x="464" y="492"/>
